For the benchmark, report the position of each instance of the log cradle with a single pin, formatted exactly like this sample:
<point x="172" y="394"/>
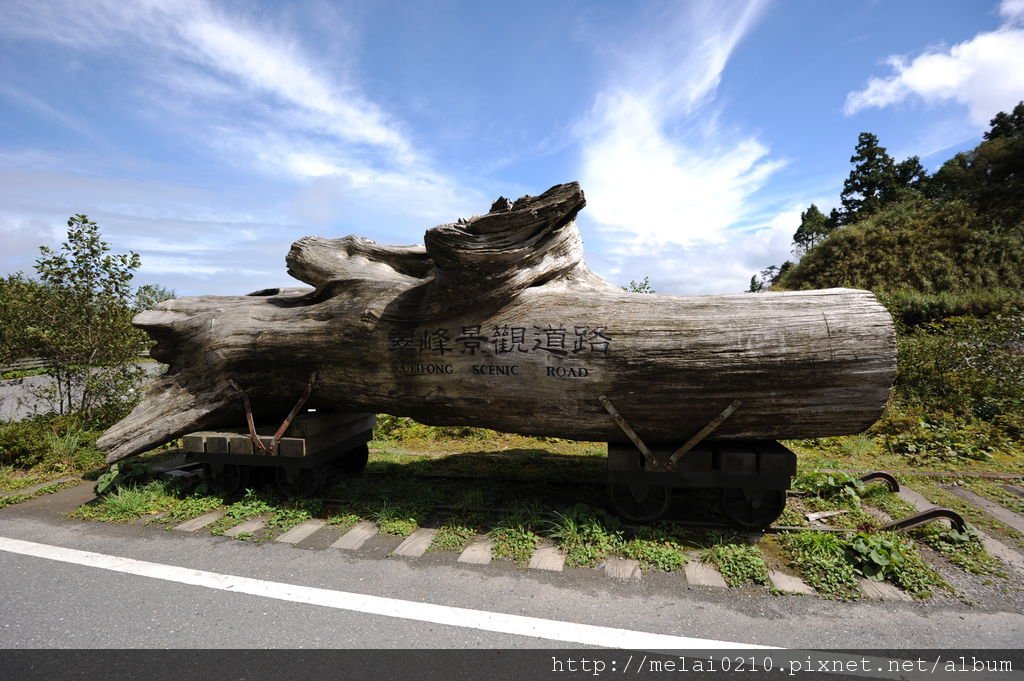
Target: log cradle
<point x="497" y="322"/>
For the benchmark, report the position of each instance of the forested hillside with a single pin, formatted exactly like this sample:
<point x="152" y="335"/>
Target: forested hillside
<point x="945" y="253"/>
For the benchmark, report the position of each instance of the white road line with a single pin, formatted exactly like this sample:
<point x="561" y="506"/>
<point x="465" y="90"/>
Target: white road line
<point x="519" y="625"/>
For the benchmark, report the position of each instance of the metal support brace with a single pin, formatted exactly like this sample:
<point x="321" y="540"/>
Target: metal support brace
<point x="703" y="433"/>
<point x="652" y="460"/>
<point x="257" y="442"/>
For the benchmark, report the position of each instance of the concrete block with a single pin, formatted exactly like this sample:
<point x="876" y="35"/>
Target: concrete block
<point x="478" y="552"/>
<point x="790" y="584"/>
<point x="301" y="531"/>
<point x="622" y="569"/>
<point x="199" y="522"/>
<point x="249" y="526"/>
<point x="356" y="537"/>
<point x="416" y="544"/>
<point x="547" y="557"/>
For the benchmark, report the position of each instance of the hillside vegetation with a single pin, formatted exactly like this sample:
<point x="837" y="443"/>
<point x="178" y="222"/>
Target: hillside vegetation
<point x="945" y="254"/>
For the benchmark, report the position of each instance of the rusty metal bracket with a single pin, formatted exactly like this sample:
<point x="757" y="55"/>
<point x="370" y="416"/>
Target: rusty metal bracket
<point x="257" y="441"/>
<point x="652" y="461"/>
<point x="927" y="516"/>
<point x="649" y="456"/>
<point x="888" y="478"/>
<point x="701" y="434"/>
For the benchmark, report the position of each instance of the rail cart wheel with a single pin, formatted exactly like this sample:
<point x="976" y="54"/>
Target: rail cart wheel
<point x="300" y="483"/>
<point x="753" y="508"/>
<point x="354" y="461"/>
<point x="639" y="503"/>
<point x="226" y="479"/>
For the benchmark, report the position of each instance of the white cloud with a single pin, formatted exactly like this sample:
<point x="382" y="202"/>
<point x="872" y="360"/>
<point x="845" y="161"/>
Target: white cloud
<point x="984" y="74"/>
<point x="713" y="268"/>
<point x="235" y="88"/>
<point x="204" y="66"/>
<point x="651" y="167"/>
<point x="1012" y="10"/>
<point x="261" y="60"/>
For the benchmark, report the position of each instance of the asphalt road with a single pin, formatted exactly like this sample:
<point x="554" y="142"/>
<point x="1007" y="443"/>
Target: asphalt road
<point x="47" y="603"/>
<point x="20" y="397"/>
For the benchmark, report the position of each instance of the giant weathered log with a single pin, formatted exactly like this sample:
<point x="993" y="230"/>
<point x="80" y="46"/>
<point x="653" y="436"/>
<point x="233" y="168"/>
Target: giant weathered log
<point x="498" y="323"/>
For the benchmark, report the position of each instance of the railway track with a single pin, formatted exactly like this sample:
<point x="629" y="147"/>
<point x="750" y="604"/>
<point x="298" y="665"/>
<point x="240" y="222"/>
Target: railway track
<point x="690" y="516"/>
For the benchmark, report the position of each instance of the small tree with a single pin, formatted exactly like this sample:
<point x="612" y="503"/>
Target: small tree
<point x="16" y="296"/>
<point x="149" y="295"/>
<point x="639" y="286"/>
<point x="812" y="230"/>
<point x="83" y="309"/>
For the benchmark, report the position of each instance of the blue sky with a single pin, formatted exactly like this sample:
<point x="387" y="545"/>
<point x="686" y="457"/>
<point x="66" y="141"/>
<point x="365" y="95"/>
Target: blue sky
<point x="207" y="136"/>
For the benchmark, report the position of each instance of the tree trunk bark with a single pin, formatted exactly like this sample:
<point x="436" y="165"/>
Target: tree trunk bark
<point x="498" y="323"/>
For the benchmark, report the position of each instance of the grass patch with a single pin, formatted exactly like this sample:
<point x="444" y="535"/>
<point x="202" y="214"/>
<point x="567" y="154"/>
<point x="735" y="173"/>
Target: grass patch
<point x="587" y="535"/>
<point x="740" y="563"/>
<point x="931" y="489"/>
<point x="343" y="520"/>
<point x="832" y="563"/>
<point x="842" y="488"/>
<point x="454" y="534"/>
<point x="888" y="555"/>
<point x="515" y="542"/>
<point x="12" y="479"/>
<point x="894" y="505"/>
<point x="13" y="499"/>
<point x="995" y="491"/>
<point x="194" y="506"/>
<point x="249" y="506"/>
<point x="15" y="374"/>
<point x="961" y="548"/>
<point x="130" y="502"/>
<point x="653" y="554"/>
<point x="791" y="516"/>
<point x="392" y="431"/>
<point x="821" y="559"/>
<point x="515" y="537"/>
<point x="398" y="520"/>
<point x="294" y="512"/>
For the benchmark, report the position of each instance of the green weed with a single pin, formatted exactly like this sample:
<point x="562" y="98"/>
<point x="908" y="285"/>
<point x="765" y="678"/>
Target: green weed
<point x="343" y="520"/>
<point x="294" y="513"/>
<point x="398" y="520"/>
<point x="664" y="555"/>
<point x="453" y="535"/>
<point x="739" y="563"/>
<point x="821" y="559"/>
<point x="249" y="506"/>
<point x="13" y="499"/>
<point x="838" y="486"/>
<point x="129" y="502"/>
<point x="587" y="535"/>
<point x="194" y="506"/>
<point x="961" y="548"/>
<point x="515" y="537"/>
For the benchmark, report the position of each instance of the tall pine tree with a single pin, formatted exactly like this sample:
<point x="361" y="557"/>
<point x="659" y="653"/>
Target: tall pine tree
<point x="871" y="182"/>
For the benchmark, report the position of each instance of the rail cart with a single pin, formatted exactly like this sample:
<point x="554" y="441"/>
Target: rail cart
<point x="751" y="476"/>
<point x="299" y="454"/>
